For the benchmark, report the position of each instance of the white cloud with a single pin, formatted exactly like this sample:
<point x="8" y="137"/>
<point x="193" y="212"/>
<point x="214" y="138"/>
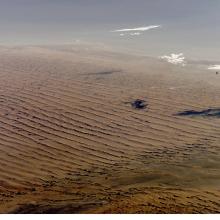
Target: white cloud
<point x="135" y="34"/>
<point x="175" y="59"/>
<point x="138" y="28"/>
<point x="131" y="34"/>
<point x="214" y="67"/>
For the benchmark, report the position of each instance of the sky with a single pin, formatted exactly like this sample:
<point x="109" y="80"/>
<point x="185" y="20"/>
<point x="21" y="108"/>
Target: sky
<point x="191" y="27"/>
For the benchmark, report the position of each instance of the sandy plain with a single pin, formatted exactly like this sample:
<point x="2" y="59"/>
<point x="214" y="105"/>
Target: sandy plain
<point x="70" y="141"/>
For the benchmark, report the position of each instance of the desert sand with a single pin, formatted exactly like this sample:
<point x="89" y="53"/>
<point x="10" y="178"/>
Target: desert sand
<point x="71" y="142"/>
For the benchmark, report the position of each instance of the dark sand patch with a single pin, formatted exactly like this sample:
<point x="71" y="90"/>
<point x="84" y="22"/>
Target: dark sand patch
<point x="215" y="112"/>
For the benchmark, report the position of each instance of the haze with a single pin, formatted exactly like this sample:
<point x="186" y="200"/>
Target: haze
<point x="189" y="26"/>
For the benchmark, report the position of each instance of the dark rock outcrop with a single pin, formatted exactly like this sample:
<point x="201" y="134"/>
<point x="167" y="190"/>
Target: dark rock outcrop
<point x="139" y="104"/>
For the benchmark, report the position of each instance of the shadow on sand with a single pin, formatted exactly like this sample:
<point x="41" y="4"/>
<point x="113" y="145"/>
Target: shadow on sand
<point x="215" y="112"/>
<point x="105" y="72"/>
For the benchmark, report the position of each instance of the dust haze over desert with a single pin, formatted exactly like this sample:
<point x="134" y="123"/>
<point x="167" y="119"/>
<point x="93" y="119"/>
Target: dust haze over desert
<point x="109" y="106"/>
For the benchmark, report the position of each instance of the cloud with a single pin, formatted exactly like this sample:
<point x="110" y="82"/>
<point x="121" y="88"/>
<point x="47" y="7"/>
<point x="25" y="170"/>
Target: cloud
<point x="135" y="34"/>
<point x="175" y="59"/>
<point x="138" y="28"/>
<point x="130" y="34"/>
<point x="214" y="67"/>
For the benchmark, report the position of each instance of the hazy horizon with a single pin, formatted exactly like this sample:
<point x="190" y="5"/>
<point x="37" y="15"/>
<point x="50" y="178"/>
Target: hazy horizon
<point x="189" y="27"/>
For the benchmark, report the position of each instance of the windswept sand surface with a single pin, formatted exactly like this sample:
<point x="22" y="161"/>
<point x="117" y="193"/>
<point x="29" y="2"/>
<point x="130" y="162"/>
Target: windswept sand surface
<point x="70" y="142"/>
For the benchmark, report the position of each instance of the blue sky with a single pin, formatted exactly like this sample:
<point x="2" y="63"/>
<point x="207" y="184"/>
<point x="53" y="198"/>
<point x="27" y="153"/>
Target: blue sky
<point x="188" y="26"/>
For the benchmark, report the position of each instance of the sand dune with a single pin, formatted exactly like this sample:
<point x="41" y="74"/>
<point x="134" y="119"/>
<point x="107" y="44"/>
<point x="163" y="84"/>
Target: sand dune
<point x="71" y="142"/>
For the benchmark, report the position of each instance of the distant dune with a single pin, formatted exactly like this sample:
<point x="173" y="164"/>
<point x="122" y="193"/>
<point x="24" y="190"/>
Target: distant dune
<point x="72" y="142"/>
